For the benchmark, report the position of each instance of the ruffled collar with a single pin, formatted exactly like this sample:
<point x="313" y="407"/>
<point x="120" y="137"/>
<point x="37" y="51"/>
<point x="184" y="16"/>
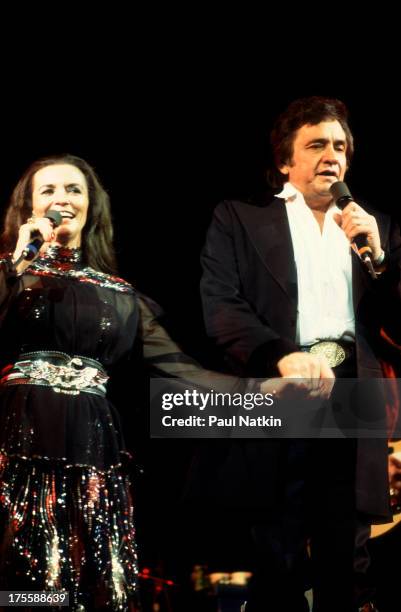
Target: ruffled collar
<point x="56" y="255"/>
<point x="63" y="262"/>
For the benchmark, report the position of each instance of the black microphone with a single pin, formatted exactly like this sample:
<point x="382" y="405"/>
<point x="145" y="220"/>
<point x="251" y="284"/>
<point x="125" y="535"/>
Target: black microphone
<point x="342" y="197"/>
<point x="33" y="247"/>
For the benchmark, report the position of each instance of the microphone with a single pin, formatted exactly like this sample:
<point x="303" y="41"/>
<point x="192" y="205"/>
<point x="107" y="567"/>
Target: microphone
<point x="342" y="197"/>
<point x="33" y="247"/>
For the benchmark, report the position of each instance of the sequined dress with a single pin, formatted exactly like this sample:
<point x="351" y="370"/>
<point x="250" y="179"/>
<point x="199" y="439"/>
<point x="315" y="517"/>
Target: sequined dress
<point x="66" y="513"/>
<point x="65" y="503"/>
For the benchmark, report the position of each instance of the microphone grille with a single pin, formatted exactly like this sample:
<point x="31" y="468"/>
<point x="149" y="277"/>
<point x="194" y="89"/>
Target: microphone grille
<point x="55" y="217"/>
<point x="341" y="194"/>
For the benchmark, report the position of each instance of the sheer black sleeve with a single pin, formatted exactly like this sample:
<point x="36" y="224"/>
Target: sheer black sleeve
<point x="8" y="282"/>
<point x="165" y="359"/>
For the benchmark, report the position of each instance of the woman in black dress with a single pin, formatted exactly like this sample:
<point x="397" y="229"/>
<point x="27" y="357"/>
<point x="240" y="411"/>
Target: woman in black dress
<point x="67" y="323"/>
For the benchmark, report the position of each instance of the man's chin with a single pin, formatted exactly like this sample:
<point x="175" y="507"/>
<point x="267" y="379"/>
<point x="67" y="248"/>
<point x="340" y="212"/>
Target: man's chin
<point x="324" y="183"/>
<point x="323" y="190"/>
<point x="318" y="197"/>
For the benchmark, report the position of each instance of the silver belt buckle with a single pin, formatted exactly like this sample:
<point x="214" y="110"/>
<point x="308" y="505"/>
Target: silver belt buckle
<point x="70" y="378"/>
<point x="334" y="352"/>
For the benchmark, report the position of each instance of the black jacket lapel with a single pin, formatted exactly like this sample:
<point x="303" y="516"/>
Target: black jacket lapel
<point x="269" y="232"/>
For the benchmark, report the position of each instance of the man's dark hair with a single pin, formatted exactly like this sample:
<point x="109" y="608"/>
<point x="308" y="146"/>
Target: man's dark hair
<point x="97" y="235"/>
<point x="305" y="111"/>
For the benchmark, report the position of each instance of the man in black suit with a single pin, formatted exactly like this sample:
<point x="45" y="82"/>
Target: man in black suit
<point x="281" y="279"/>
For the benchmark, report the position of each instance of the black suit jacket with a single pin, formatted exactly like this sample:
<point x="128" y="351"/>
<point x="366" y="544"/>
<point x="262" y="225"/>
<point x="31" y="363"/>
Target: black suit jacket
<point x="249" y="293"/>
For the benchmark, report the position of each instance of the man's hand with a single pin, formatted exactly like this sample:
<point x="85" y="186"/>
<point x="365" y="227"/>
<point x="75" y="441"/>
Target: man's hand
<point x="304" y="365"/>
<point x="354" y="220"/>
<point x="316" y="374"/>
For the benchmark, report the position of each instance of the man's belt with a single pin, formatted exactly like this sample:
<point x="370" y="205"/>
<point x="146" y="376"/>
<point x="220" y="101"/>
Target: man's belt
<point x="335" y="351"/>
<point x="64" y="373"/>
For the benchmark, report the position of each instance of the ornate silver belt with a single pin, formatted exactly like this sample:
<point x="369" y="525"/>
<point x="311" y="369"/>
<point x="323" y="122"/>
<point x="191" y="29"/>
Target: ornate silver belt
<point x="63" y="373"/>
<point x="334" y="352"/>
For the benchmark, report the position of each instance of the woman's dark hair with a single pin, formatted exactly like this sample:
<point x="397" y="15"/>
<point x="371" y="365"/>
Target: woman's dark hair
<point x="97" y="235"/>
<point x="305" y="111"/>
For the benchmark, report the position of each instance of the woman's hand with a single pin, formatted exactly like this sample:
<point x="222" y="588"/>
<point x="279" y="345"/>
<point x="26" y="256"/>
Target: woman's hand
<point x="298" y="388"/>
<point x="27" y="231"/>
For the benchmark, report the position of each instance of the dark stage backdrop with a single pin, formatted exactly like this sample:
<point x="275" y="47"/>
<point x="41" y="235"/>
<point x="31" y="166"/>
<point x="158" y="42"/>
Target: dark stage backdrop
<point x="168" y="154"/>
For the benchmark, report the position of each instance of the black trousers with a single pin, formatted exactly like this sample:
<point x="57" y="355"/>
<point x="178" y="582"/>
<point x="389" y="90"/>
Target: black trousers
<point x="317" y="504"/>
<point x="320" y="509"/>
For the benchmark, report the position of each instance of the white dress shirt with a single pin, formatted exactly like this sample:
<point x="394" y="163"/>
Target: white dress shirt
<point x="324" y="271"/>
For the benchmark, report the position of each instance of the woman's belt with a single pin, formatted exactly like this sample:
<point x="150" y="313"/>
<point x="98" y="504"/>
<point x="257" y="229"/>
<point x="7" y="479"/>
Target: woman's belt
<point x="63" y="373"/>
<point x="335" y="351"/>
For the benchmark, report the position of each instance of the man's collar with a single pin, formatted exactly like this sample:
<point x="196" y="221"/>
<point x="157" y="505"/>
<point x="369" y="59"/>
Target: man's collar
<point x="290" y="193"/>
